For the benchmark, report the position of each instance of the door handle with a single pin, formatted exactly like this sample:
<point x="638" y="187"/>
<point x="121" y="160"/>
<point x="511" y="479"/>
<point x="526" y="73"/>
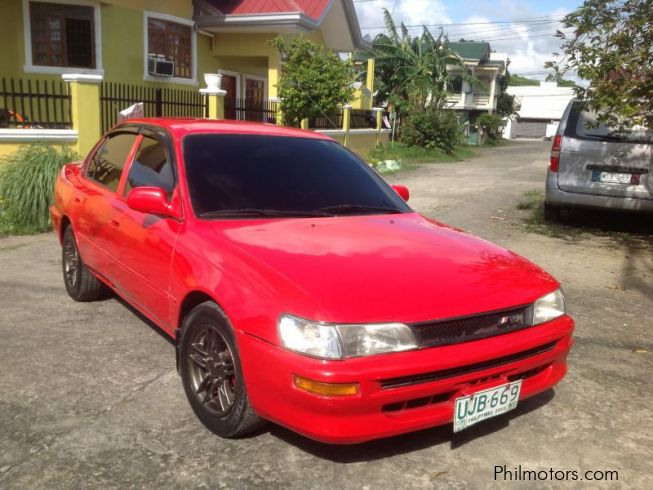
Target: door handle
<point x="114" y="222"/>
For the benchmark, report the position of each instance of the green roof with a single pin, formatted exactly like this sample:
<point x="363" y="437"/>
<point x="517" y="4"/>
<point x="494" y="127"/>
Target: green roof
<point x="471" y="50"/>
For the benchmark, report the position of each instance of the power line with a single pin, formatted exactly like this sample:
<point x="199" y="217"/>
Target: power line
<point x="514" y="21"/>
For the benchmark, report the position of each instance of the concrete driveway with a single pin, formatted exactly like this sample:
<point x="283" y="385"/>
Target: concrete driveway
<point x="89" y="395"/>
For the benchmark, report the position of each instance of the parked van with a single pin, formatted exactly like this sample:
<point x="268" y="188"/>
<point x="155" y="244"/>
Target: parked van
<point x="596" y="166"/>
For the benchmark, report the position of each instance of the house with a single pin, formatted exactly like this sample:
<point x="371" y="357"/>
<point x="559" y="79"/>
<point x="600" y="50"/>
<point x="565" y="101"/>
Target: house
<point x="540" y="109"/>
<point x="484" y="65"/>
<point x="155" y="51"/>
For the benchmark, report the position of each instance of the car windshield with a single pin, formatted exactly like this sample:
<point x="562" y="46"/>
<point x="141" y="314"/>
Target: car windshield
<point x="243" y="175"/>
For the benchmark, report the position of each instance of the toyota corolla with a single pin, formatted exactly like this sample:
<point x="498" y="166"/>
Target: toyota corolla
<point x="299" y="287"/>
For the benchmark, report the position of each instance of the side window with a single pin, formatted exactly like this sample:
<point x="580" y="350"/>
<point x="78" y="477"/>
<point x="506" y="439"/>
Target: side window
<point x="151" y="167"/>
<point x="108" y="161"/>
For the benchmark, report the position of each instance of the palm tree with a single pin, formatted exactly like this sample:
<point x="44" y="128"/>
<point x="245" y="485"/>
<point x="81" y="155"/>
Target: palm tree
<point x="412" y="71"/>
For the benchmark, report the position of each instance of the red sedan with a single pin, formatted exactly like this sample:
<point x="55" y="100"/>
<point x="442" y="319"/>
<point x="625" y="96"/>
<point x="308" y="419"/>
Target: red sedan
<point x="299" y="287"/>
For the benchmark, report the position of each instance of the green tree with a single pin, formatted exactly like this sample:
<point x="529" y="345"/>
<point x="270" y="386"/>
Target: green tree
<point x="313" y="81"/>
<point x="506" y="104"/>
<point x="611" y="48"/>
<point x="411" y="72"/>
<point x="520" y="81"/>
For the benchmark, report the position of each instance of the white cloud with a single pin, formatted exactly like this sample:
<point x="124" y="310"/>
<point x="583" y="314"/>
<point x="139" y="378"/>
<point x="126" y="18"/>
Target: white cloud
<point x="528" y="44"/>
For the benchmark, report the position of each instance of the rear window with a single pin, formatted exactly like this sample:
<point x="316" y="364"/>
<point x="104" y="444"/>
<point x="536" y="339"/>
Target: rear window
<point x="234" y="171"/>
<point x="584" y="125"/>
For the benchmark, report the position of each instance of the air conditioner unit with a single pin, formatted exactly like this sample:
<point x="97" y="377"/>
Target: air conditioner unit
<point x="160" y="67"/>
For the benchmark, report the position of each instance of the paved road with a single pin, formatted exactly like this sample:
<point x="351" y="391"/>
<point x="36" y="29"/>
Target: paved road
<point x="89" y="395"/>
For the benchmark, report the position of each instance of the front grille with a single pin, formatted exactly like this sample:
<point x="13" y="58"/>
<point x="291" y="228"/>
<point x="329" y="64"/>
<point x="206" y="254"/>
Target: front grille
<point x="470" y="368"/>
<point x="456" y="330"/>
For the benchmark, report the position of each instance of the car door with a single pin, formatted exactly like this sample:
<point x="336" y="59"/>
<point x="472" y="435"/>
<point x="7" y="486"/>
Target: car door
<point x="98" y="189"/>
<point x="146" y="242"/>
<point x="598" y="160"/>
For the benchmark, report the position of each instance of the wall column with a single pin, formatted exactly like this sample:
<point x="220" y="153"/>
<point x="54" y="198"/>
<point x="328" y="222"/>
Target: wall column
<point x="493" y="90"/>
<point x="85" y="109"/>
<point x="278" y="114"/>
<point x="216" y="101"/>
<point x="346" y="123"/>
<point x="378" y="112"/>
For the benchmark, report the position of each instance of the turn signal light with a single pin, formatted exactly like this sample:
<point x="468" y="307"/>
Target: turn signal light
<point x="326" y="389"/>
<point x="554" y="162"/>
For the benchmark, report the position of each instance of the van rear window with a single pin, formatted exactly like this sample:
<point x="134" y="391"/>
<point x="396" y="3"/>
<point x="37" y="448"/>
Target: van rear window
<point x="584" y="125"/>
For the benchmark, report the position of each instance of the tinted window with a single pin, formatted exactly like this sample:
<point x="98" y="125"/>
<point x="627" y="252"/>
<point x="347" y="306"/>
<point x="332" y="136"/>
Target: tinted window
<point x="232" y="172"/>
<point x="151" y="167"/>
<point x="109" y="160"/>
<point x="585" y="125"/>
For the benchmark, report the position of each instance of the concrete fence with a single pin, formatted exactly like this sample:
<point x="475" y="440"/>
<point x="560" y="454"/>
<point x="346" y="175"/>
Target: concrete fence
<point x="88" y="108"/>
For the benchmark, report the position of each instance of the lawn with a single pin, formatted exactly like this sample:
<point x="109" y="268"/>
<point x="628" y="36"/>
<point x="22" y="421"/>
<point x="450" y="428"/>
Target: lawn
<point x="408" y="155"/>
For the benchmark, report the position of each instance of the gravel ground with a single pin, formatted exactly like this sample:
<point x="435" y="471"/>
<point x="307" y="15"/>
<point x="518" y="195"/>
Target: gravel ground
<point x="89" y="395"/>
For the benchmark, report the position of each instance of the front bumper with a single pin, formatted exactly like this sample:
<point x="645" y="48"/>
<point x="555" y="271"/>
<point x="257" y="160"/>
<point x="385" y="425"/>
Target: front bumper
<point x="557" y="197"/>
<point x="399" y="392"/>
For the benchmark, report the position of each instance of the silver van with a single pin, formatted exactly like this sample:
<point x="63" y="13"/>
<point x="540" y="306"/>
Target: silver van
<point x="595" y="166"/>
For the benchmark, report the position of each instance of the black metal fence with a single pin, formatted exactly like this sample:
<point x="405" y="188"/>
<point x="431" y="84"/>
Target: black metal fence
<point x="362" y="118"/>
<point x="34" y="104"/>
<point x="250" y="110"/>
<point x="157" y="102"/>
<point x="327" y="121"/>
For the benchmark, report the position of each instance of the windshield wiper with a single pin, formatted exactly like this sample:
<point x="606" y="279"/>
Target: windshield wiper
<point x="255" y="212"/>
<point x="357" y="208"/>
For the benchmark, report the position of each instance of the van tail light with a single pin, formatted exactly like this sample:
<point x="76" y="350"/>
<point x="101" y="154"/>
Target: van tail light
<point x="554" y="162"/>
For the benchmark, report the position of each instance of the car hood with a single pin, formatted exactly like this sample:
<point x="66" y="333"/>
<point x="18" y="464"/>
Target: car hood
<point x="386" y="267"/>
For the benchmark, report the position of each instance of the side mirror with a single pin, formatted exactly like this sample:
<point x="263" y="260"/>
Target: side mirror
<point x="403" y="191"/>
<point x="151" y="200"/>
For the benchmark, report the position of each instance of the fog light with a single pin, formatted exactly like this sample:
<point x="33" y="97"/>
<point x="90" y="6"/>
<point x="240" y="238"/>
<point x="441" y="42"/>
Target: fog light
<point x="326" y="389"/>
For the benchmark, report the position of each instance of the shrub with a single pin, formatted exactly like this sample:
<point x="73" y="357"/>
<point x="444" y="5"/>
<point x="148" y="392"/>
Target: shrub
<point x="26" y="184"/>
<point x="491" y="124"/>
<point x="433" y="128"/>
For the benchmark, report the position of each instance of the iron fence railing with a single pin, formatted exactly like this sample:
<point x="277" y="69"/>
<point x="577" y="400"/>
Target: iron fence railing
<point x="250" y="110"/>
<point x="157" y="102"/>
<point x="326" y="121"/>
<point x="362" y="118"/>
<point x="26" y="103"/>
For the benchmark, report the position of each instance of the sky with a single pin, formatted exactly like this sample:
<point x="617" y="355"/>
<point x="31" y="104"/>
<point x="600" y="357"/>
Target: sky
<point x="525" y="30"/>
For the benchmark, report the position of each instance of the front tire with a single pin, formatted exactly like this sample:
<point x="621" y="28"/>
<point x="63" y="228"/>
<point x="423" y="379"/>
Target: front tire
<point x="211" y="372"/>
<point x="80" y="282"/>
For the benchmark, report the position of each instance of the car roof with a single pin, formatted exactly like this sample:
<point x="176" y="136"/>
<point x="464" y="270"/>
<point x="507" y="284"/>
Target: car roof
<point x="180" y="127"/>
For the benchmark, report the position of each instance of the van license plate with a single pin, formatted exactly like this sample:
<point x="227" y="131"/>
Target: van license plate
<point x="611" y="177"/>
<point x="485" y="404"/>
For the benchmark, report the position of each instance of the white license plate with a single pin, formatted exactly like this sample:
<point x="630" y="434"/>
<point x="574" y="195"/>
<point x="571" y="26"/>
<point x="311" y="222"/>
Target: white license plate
<point x="614" y="178"/>
<point x="482" y="405"/>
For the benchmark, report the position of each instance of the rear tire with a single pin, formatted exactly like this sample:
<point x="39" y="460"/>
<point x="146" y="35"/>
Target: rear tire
<point x="80" y="282"/>
<point x="552" y="212"/>
<point x="210" y="369"/>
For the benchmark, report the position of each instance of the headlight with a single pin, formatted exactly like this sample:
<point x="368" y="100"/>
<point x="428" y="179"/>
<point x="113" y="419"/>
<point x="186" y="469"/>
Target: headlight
<point x="341" y="341"/>
<point x="549" y="307"/>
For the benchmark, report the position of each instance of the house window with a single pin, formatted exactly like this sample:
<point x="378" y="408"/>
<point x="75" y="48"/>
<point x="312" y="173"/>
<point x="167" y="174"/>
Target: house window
<point x="172" y="41"/>
<point x="62" y="35"/>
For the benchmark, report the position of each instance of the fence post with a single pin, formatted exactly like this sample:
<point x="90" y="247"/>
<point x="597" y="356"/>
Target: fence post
<point x="215" y="97"/>
<point x="304" y="123"/>
<point x="378" y="112"/>
<point x="346" y="123"/>
<point x="278" y="115"/>
<point x="85" y="108"/>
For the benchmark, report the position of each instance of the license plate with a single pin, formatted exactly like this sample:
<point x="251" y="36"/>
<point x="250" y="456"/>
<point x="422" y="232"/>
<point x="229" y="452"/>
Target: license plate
<point x="485" y="404"/>
<point x="611" y="177"/>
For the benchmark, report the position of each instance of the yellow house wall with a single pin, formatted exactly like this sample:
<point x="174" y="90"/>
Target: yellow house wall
<point x="122" y="40"/>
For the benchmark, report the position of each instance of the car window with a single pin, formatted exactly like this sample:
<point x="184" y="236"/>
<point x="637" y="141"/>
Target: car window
<point x="585" y="124"/>
<point x="151" y="167"/>
<point x="256" y="172"/>
<point x="108" y="161"/>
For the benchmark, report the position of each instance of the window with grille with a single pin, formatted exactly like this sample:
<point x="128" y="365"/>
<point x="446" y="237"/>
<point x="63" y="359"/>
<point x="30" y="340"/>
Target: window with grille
<point x="173" y="42"/>
<point x="62" y="35"/>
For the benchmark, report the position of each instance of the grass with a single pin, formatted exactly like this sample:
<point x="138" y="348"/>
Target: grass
<point x="411" y="155"/>
<point x="531" y="200"/>
<point x="26" y="183"/>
